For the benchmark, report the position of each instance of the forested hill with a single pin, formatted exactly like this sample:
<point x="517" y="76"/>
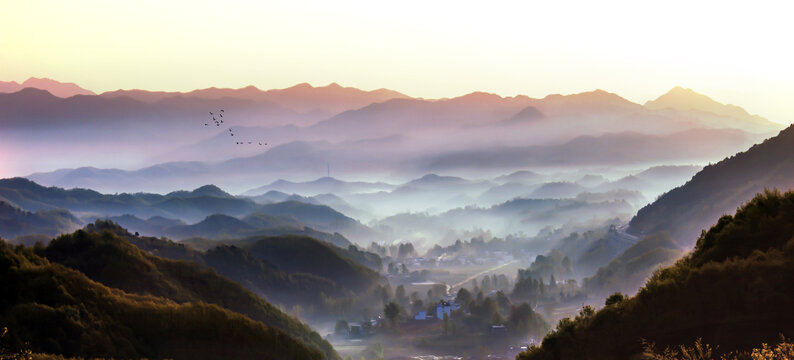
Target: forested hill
<point x="282" y="269"/>
<point x="734" y="290"/>
<point x="115" y="262"/>
<point x="719" y="189"/>
<point x="50" y="308"/>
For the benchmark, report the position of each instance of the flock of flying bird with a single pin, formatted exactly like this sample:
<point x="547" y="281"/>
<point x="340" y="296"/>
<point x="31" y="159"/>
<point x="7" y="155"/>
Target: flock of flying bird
<point x="219" y="120"/>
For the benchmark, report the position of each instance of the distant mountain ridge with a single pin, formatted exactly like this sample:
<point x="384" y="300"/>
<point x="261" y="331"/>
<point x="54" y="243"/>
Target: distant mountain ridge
<point x="215" y="212"/>
<point x="302" y="98"/>
<point x="59" y="89"/>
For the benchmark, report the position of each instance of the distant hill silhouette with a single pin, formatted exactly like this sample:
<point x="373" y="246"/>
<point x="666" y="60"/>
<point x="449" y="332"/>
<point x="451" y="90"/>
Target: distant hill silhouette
<point x="323" y="185"/>
<point x="212" y="212"/>
<point x="302" y="98"/>
<point x="684" y="99"/>
<point x="59" y="89"/>
<point x="17" y="222"/>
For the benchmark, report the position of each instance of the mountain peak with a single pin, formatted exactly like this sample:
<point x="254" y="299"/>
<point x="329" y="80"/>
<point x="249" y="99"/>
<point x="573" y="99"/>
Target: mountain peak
<point x="59" y="89"/>
<point x="680" y="98"/>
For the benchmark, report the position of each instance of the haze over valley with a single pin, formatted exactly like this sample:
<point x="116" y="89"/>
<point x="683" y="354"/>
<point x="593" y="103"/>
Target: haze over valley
<point x="414" y="181"/>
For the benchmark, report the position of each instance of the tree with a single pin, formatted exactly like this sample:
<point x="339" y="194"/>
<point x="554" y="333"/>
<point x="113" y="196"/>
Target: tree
<point x="486" y="284"/>
<point x="406" y="250"/>
<point x="385" y="293"/>
<point x="392" y="310"/>
<point x="341" y="327"/>
<point x="446" y="323"/>
<point x="399" y="295"/>
<point x="417" y="306"/>
<point x="615" y="298"/>
<point x="463" y="298"/>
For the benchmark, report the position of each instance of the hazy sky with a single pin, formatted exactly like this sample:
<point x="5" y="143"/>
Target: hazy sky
<point x="735" y="52"/>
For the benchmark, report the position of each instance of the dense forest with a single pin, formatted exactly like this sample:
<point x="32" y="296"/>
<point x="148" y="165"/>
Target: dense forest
<point x="53" y="309"/>
<point x="733" y="290"/>
<point x="278" y="269"/>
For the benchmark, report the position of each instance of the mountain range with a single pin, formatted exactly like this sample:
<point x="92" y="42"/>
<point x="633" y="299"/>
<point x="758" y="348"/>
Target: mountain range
<point x="377" y="134"/>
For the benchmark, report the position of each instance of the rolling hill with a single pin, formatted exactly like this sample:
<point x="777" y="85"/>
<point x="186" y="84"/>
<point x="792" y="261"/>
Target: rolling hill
<point x="17" y="222"/>
<point x="56" y="310"/>
<point x="732" y="291"/>
<point x="57" y="88"/>
<point x="115" y="262"/>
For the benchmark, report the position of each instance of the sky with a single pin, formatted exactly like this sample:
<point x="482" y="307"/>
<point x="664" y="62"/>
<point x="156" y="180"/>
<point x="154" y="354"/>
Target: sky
<point x="735" y="52"/>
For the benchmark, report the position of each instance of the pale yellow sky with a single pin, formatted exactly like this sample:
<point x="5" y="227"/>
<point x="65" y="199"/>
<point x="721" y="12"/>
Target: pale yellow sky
<point x="735" y="52"/>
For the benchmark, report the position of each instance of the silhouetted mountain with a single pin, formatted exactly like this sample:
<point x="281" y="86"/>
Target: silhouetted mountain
<point x="505" y="192"/>
<point x="591" y="180"/>
<point x="629" y="270"/>
<point x="557" y="190"/>
<point x="299" y="254"/>
<point x="232" y="259"/>
<point x="684" y="99"/>
<point x="216" y="228"/>
<point x="528" y="114"/>
<point x="107" y="322"/>
<point x="303" y="98"/>
<point x="433" y="181"/>
<point x="323" y="185"/>
<point x="718" y="189"/>
<point x="522" y="176"/>
<point x="189" y="206"/>
<point x="59" y="89"/>
<point x="732" y="291"/>
<point x="609" y="149"/>
<point x="206" y="190"/>
<point x="669" y="173"/>
<point x="597" y="101"/>
<point x="527" y="216"/>
<point x="17" y="222"/>
<point x="320" y="217"/>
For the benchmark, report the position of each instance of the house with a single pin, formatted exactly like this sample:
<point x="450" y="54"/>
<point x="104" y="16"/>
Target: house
<point x="445" y="307"/>
<point x="498" y="329"/>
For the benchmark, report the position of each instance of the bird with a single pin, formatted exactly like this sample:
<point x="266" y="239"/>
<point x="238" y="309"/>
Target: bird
<point x="230" y="130"/>
<point x="260" y="144"/>
<point x="213" y="118"/>
<point x="232" y="134"/>
<point x="221" y="115"/>
<point x="210" y="112"/>
<point x="221" y="110"/>
<point x="249" y="142"/>
<point x="205" y="124"/>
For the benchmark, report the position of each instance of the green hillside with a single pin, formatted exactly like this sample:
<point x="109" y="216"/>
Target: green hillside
<point x="301" y="254"/>
<point x="54" y="309"/>
<point x="114" y="262"/>
<point x="734" y="290"/>
<point x="282" y="285"/>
